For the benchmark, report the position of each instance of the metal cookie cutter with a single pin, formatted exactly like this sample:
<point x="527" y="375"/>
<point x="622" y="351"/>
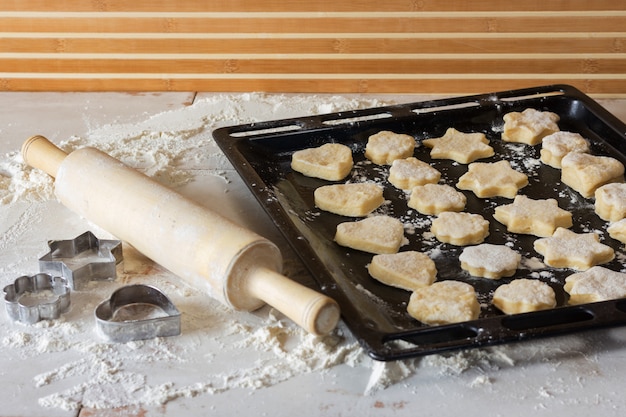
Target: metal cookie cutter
<point x="35" y="298"/>
<point x="82" y="259"/>
<point x="137" y="312"/>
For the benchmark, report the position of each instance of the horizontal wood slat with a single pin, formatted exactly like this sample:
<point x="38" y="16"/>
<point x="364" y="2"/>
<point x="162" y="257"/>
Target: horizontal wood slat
<point x="308" y="6"/>
<point x="422" y="46"/>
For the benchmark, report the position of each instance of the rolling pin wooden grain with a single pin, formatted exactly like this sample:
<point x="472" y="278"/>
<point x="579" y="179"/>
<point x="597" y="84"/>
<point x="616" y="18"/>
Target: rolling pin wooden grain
<point x="234" y="265"/>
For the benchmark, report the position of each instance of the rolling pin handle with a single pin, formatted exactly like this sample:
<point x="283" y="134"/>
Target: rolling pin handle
<point x="315" y="312"/>
<point x="39" y="152"/>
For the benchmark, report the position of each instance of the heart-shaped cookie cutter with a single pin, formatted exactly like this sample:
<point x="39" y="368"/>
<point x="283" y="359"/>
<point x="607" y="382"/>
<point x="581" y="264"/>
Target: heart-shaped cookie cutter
<point x="39" y="297"/>
<point x="115" y="328"/>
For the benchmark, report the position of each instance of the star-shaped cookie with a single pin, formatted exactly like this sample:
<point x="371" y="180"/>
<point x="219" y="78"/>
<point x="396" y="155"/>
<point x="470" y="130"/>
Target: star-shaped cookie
<point x="492" y="179"/>
<point x="460" y="147"/>
<point x="566" y="249"/>
<point x="533" y="217"/>
<point x="529" y="126"/>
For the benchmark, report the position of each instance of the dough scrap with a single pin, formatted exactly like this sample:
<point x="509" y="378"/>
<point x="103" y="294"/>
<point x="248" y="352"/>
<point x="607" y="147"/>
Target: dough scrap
<point x="524" y="295"/>
<point x="492" y="179"/>
<point x="460" y="229"/>
<point x="555" y="146"/>
<point x="566" y="249"/>
<point x="411" y="172"/>
<point x="595" y="284"/>
<point x="610" y="202"/>
<point x="490" y="261"/>
<point x="330" y="161"/>
<point x="530" y="126"/>
<point x="585" y="173"/>
<point x="408" y="270"/>
<point x="432" y="199"/>
<point x="617" y="230"/>
<point x="352" y="200"/>
<point x="385" y="147"/>
<point x="460" y="147"/>
<point x="533" y="217"/>
<point x="444" y="302"/>
<point x="376" y="234"/>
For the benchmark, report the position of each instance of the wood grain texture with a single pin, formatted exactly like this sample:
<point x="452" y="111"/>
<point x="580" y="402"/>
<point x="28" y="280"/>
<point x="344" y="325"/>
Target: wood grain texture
<point x="424" y="46"/>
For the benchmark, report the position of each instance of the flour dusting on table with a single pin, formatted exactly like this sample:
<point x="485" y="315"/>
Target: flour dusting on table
<point x="84" y="371"/>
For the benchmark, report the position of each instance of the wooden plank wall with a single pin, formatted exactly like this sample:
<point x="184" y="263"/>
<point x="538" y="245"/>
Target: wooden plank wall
<point x="391" y="46"/>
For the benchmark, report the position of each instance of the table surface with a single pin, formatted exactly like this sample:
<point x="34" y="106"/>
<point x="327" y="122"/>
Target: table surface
<point x="225" y="362"/>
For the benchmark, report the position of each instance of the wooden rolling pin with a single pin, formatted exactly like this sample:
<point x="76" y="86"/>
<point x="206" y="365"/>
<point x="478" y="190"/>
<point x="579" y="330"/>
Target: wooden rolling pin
<point x="234" y="265"/>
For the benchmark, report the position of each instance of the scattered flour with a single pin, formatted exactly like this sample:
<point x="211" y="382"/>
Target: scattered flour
<point x="245" y="351"/>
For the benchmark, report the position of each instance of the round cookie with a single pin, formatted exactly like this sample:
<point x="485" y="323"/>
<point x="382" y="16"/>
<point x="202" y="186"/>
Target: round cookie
<point x="460" y="229"/>
<point x="444" y="302"/>
<point x="385" y="147"/>
<point x="610" y="202"/>
<point x="432" y="199"/>
<point x="411" y="172"/>
<point x="524" y="295"/>
<point x="490" y="261"/>
<point x="555" y="146"/>
<point x="529" y="126"/>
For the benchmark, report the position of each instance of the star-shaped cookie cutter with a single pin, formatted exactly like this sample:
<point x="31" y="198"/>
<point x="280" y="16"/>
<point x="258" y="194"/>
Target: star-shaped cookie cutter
<point x="82" y="259"/>
<point x="39" y="297"/>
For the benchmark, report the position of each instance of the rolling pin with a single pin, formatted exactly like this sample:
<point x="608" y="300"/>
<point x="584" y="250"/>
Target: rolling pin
<point x="232" y="264"/>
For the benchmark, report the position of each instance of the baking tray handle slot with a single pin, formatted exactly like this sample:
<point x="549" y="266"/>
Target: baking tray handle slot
<point x="448" y="335"/>
<point x="544" y="319"/>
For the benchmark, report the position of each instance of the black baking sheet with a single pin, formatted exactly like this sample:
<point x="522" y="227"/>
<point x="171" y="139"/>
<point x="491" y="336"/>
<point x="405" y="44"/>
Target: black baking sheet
<point x="376" y="313"/>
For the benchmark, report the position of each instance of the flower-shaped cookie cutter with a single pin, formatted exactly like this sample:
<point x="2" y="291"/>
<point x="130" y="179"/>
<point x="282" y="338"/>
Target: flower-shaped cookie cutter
<point x="82" y="259"/>
<point x="39" y="297"/>
<point x="137" y="312"/>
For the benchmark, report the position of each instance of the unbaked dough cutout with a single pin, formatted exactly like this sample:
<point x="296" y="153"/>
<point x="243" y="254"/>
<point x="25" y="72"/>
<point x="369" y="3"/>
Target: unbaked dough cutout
<point x="524" y="295"/>
<point x="529" y="126"/>
<point x="351" y="200"/>
<point x="533" y="217"/>
<point x="444" y="302"/>
<point x="459" y="146"/>
<point x="376" y="234"/>
<point x="385" y="147"/>
<point x="408" y="270"/>
<point x="580" y="251"/>
<point x="492" y="179"/>
<point x="330" y="161"/>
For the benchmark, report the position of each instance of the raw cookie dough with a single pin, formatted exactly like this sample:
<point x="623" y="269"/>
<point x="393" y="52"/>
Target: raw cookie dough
<point x="444" y="302"/>
<point x="617" y="230"/>
<point x="524" y="295"/>
<point x="385" y="147"/>
<point x="529" y="126"/>
<point x="555" y="146"/>
<point x="492" y="179"/>
<point x="460" y="229"/>
<point x="585" y="173"/>
<point x="490" y="261"/>
<point x="406" y="270"/>
<point x="432" y="199"/>
<point x="352" y="200"/>
<point x="331" y="161"/>
<point x="566" y="249"/>
<point x="610" y="202"/>
<point x="595" y="284"/>
<point x="411" y="172"/>
<point x="376" y="234"/>
<point x="533" y="217"/>
<point x="460" y="147"/>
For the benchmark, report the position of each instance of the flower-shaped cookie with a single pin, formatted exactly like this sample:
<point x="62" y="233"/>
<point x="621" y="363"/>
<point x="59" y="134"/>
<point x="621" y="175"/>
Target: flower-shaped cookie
<point x="492" y="179"/>
<point x="529" y="126"/>
<point x="460" y="229"/>
<point x="533" y="217"/>
<point x="460" y="147"/>
<point x="566" y="249"/>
